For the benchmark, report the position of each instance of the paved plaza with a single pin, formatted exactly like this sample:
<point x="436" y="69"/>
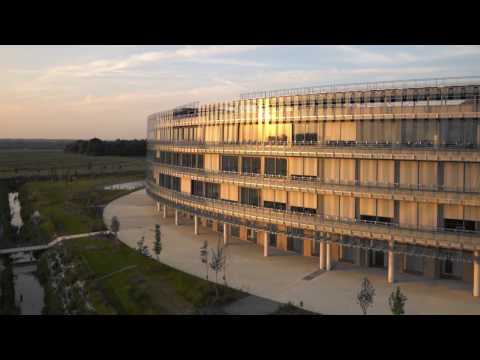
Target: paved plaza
<point x="280" y="277"/>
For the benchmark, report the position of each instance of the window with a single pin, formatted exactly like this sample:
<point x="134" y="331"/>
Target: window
<point x="200" y="161"/>
<point x="212" y="190"/>
<point x="451" y="269"/>
<point x="251" y="235"/>
<point x="295" y="240"/>
<point x="303" y="210"/>
<point x="169" y="182"/>
<point x="230" y="163"/>
<point x="235" y="231"/>
<point x="175" y="183"/>
<point x="347" y="254"/>
<point x="197" y="188"/>
<point x="276" y="166"/>
<point x="459" y="225"/>
<point x="187" y="160"/>
<point x="272" y="239"/>
<point x="251" y="165"/>
<point x="250" y="196"/>
<point x="176" y="159"/>
<point x="371" y="219"/>
<point x="274" y="205"/>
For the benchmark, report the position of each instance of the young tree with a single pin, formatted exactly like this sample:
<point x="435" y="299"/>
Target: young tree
<point x="397" y="301"/>
<point x="158" y="241"/>
<point x="142" y="248"/>
<point x="204" y="256"/>
<point x="365" y="295"/>
<point x="217" y="263"/>
<point x="115" y="226"/>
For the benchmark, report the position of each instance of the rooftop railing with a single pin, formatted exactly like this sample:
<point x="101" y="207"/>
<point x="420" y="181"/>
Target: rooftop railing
<point x="365" y="86"/>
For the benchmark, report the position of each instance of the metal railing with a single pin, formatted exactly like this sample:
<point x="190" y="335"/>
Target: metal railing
<point x="303" y="182"/>
<point x="351" y="241"/>
<point x="330" y="144"/>
<point x="365" y="86"/>
<point x="307" y="219"/>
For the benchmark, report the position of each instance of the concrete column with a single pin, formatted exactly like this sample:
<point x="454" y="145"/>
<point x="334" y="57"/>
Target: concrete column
<point x="391" y="266"/>
<point x="176" y="217"/>
<point x="322" y="255"/>
<point x="158" y="206"/>
<point x="225" y="233"/>
<point x="265" y="244"/>
<point x="195" y="221"/>
<point x="476" y="274"/>
<point x="328" y="256"/>
<point x="164" y="211"/>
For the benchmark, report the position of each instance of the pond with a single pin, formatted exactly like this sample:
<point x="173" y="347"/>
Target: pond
<point x="15" y="208"/>
<point x="28" y="291"/>
<point x="126" y="186"/>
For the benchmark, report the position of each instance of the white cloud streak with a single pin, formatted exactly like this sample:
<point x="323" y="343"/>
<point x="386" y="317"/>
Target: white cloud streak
<point x="188" y="53"/>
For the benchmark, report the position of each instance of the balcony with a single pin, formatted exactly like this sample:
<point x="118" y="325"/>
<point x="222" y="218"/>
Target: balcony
<point x="422" y="235"/>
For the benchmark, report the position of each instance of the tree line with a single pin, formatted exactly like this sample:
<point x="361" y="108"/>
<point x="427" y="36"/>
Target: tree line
<point x="98" y="147"/>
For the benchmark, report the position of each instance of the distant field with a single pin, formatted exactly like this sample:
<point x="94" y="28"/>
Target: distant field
<point x="46" y="162"/>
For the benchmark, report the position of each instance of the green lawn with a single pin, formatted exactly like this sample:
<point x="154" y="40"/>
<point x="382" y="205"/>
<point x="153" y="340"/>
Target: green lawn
<point x="66" y="207"/>
<point x="148" y="288"/>
<point x="43" y="163"/>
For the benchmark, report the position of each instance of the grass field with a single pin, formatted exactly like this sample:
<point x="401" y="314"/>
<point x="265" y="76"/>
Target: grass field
<point x="66" y="207"/>
<point x="146" y="287"/>
<point x="45" y="162"/>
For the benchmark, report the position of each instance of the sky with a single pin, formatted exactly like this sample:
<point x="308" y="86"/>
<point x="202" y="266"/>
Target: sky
<point x="80" y="92"/>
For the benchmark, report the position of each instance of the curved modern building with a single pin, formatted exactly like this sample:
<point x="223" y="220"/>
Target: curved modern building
<point x="376" y="174"/>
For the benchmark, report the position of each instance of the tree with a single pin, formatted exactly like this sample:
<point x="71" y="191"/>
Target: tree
<point x="158" y="241"/>
<point x="217" y="263"/>
<point x="141" y="247"/>
<point x="204" y="256"/>
<point x="397" y="301"/>
<point x="115" y="226"/>
<point x="365" y="295"/>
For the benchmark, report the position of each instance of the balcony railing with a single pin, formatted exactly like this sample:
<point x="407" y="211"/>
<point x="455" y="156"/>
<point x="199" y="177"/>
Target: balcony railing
<point x="311" y="181"/>
<point x="312" y="220"/>
<point x="330" y="144"/>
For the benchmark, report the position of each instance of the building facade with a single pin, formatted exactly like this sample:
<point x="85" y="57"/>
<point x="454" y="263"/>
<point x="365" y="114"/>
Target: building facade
<point x="376" y="174"/>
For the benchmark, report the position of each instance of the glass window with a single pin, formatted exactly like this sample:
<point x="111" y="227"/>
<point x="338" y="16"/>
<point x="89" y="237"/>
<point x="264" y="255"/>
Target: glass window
<point x="276" y="166"/>
<point x="270" y="166"/>
<point x="212" y="190"/>
<point x="197" y="188"/>
<point x="251" y="165"/>
<point x="200" y="161"/>
<point x="230" y="163"/>
<point x="250" y="196"/>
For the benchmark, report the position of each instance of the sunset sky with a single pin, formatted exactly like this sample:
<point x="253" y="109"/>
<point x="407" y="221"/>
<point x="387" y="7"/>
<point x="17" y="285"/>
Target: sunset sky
<point x="80" y="92"/>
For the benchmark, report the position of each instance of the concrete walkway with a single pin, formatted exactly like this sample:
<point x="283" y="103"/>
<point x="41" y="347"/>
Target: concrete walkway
<point x="280" y="277"/>
<point x="50" y="244"/>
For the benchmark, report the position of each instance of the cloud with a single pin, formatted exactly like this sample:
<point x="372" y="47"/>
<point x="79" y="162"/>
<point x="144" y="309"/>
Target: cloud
<point x="423" y="53"/>
<point x="363" y="55"/>
<point x="114" y="66"/>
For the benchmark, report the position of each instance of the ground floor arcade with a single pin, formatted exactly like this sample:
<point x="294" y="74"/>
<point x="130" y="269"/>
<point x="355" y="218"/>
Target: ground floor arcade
<point x="330" y="253"/>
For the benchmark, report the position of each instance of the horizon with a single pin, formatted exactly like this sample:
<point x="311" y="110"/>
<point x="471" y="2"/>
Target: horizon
<point x="82" y="92"/>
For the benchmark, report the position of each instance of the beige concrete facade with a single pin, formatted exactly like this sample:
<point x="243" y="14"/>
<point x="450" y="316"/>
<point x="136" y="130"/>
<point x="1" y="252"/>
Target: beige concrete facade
<point x="387" y="179"/>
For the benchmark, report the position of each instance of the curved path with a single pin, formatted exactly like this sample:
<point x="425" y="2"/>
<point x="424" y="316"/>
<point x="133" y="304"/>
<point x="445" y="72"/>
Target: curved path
<point x="280" y="277"/>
